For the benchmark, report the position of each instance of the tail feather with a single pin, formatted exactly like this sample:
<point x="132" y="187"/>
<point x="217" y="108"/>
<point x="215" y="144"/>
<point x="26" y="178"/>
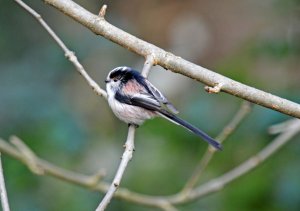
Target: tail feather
<point x="191" y="128"/>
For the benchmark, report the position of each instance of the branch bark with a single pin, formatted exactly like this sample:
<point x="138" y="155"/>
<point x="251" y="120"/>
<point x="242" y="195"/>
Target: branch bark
<point x="100" y="26"/>
<point x="126" y="157"/>
<point x="3" y="193"/>
<point x="68" y="53"/>
<point x="217" y="184"/>
<point x="244" y="109"/>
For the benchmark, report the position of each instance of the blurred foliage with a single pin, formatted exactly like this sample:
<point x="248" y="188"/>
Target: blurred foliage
<point x="45" y="102"/>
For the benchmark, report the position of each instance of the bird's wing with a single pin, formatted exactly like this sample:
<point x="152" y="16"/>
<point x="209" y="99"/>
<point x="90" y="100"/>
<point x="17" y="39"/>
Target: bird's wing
<point x="160" y="97"/>
<point x="142" y="99"/>
<point x="141" y="91"/>
<point x="146" y="101"/>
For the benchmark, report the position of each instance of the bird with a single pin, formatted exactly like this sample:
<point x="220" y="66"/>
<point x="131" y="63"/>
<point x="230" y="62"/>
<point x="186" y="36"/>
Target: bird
<point x="134" y="99"/>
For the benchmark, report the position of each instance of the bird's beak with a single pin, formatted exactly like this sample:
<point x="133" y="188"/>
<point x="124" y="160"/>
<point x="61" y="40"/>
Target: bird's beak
<point x="106" y="81"/>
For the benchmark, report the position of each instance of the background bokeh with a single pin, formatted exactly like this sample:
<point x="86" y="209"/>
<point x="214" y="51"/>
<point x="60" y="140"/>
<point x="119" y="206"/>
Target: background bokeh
<point x="47" y="103"/>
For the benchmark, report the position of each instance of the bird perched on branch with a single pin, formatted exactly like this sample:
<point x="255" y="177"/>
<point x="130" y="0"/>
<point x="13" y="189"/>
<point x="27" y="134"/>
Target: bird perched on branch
<point x="133" y="99"/>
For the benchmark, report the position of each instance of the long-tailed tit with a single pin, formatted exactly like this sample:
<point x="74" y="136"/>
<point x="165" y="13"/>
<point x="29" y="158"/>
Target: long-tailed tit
<point x="133" y="99"/>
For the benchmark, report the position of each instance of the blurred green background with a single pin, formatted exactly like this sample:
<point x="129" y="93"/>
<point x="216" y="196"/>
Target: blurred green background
<point x="44" y="101"/>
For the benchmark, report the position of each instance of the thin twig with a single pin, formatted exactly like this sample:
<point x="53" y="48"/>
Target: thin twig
<point x="254" y="161"/>
<point x="149" y="62"/>
<point x="281" y="127"/>
<point x="244" y="109"/>
<point x="4" y="199"/>
<point x="102" y="11"/>
<point x="28" y="154"/>
<point x="167" y="207"/>
<point x="126" y="157"/>
<point x="52" y="170"/>
<point x="216" y="89"/>
<point x="69" y="54"/>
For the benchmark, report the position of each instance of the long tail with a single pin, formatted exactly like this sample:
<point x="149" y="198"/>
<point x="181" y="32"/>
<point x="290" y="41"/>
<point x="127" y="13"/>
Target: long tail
<point x="191" y="128"/>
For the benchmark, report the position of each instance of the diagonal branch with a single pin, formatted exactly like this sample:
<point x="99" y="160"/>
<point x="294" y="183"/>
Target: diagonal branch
<point x="69" y="54"/>
<point x="245" y="109"/>
<point x="50" y="169"/>
<point x="28" y="154"/>
<point x="3" y="193"/>
<point x="126" y="157"/>
<point x="100" y="26"/>
<point x="149" y="62"/>
<point x="219" y="183"/>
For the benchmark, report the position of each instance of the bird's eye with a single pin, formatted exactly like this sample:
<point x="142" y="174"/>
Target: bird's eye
<point x="115" y="80"/>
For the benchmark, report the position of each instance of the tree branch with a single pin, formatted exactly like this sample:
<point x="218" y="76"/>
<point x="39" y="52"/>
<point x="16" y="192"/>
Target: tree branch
<point x="126" y="157"/>
<point x="4" y="199"/>
<point x="219" y="183"/>
<point x="245" y="109"/>
<point x="100" y="26"/>
<point x="149" y="62"/>
<point x="52" y="170"/>
<point x="69" y="54"/>
<point x="162" y="202"/>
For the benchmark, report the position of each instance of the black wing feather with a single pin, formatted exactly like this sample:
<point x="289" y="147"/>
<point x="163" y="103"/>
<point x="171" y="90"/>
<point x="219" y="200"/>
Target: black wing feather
<point x="152" y="91"/>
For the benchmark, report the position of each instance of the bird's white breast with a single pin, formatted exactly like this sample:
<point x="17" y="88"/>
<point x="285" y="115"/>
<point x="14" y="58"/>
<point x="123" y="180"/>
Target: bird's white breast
<point x="128" y="113"/>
